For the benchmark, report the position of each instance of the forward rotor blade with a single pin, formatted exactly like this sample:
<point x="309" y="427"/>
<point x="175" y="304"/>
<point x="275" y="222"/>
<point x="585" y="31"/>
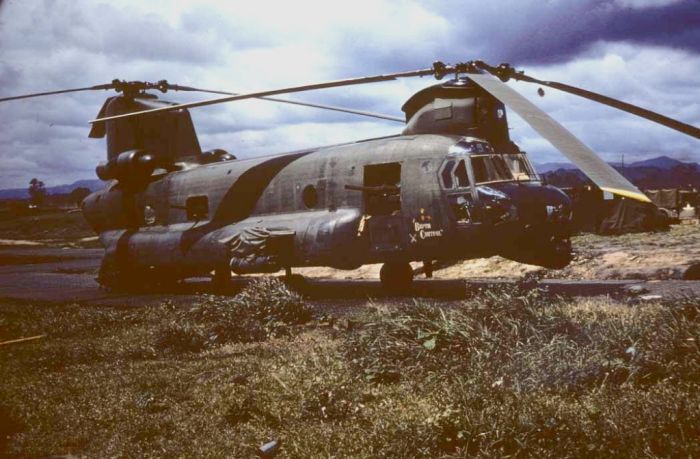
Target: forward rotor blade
<point x="504" y="72"/>
<point x="601" y="173"/>
<point x="303" y="104"/>
<point x="63" y="91"/>
<point x="251" y="95"/>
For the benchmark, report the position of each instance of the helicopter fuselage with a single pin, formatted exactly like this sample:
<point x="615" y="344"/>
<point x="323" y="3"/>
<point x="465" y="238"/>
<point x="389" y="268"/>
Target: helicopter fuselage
<point x="390" y="200"/>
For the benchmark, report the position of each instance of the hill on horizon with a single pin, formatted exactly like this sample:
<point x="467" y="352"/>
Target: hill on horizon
<point x="660" y="162"/>
<point x="23" y="193"/>
<point x="650" y="174"/>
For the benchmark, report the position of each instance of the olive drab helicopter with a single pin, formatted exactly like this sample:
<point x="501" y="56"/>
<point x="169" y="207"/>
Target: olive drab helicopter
<point x="450" y="186"/>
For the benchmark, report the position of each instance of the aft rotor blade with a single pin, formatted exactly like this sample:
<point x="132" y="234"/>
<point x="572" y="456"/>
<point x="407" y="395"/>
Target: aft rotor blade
<point x="273" y="92"/>
<point x="600" y="172"/>
<point x="50" y="93"/>
<point x="303" y="104"/>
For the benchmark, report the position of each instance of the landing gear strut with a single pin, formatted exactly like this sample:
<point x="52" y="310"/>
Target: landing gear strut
<point x="428" y="269"/>
<point x="295" y="282"/>
<point x="395" y="276"/>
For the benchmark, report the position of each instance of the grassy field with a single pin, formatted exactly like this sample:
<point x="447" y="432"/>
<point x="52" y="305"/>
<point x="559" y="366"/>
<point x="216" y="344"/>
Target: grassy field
<point x="49" y="227"/>
<point x="507" y="374"/>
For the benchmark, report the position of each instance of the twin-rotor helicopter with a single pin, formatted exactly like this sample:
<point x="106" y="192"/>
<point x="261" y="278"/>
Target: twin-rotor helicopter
<point x="450" y="186"/>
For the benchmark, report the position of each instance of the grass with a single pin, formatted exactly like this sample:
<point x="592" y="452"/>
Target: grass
<point x="506" y="373"/>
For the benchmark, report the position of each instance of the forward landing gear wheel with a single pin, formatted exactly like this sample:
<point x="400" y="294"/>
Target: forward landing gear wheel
<point x="396" y="277"/>
<point x="222" y="277"/>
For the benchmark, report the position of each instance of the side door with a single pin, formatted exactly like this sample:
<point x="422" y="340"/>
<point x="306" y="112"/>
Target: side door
<point x="382" y="207"/>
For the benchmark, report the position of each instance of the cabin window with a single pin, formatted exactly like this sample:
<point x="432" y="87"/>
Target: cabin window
<point x="197" y="208"/>
<point x="149" y="215"/>
<point x="309" y="197"/>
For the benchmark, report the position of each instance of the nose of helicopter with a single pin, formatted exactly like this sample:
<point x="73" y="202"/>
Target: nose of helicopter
<point x="537" y="204"/>
<point x="538" y="229"/>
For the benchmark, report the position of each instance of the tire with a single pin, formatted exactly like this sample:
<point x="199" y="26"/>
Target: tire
<point x="396" y="277"/>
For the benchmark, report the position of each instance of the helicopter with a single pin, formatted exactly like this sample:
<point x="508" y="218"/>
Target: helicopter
<point x="451" y="186"/>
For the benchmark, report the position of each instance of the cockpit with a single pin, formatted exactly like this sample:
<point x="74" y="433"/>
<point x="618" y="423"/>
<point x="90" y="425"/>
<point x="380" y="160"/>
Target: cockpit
<point x="474" y="161"/>
<point x="468" y="173"/>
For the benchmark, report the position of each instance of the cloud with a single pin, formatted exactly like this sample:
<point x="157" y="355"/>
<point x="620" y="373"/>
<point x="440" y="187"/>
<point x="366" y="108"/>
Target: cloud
<point x="642" y="51"/>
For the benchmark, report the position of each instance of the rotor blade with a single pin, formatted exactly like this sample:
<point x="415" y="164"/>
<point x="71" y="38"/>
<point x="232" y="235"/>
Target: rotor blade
<point x="63" y="91"/>
<point x="620" y="105"/>
<point x="600" y="172"/>
<point x="303" y="104"/>
<point x="309" y="87"/>
<point x="504" y="72"/>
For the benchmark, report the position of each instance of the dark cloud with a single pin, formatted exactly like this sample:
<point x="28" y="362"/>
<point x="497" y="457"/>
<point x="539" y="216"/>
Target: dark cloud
<point x="561" y="34"/>
<point x="532" y="32"/>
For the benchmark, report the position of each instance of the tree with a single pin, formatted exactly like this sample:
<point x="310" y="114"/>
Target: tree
<point x="37" y="192"/>
<point x="78" y="194"/>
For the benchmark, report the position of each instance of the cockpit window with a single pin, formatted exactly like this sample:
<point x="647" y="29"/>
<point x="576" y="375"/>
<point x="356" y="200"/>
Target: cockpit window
<point x="520" y="167"/>
<point x="480" y="172"/>
<point x="487" y="165"/>
<point x="447" y="174"/>
<point x="490" y="168"/>
<point x="461" y="174"/>
<point x="501" y="166"/>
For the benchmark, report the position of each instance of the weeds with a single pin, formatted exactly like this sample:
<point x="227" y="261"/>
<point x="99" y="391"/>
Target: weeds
<point x="501" y="374"/>
<point x="517" y="378"/>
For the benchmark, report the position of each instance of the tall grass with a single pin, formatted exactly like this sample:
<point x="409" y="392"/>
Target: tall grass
<point x="515" y="374"/>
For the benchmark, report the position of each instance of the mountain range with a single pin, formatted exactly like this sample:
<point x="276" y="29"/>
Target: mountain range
<point x="650" y="174"/>
<point x="661" y="162"/>
<point x="660" y="172"/>
<point x="23" y="193"/>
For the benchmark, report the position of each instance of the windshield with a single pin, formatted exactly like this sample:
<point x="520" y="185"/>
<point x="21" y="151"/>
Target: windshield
<point x="486" y="165"/>
<point x="520" y="167"/>
<point x="490" y="168"/>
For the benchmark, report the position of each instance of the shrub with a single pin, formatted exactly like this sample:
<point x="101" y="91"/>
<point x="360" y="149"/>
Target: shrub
<point x="265" y="309"/>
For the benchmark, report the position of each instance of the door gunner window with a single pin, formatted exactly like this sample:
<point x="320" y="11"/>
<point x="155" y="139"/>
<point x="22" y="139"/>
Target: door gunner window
<point x="382" y="189"/>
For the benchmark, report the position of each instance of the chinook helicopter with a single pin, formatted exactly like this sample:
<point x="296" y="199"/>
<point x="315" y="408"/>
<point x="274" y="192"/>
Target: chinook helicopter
<point x="450" y="186"/>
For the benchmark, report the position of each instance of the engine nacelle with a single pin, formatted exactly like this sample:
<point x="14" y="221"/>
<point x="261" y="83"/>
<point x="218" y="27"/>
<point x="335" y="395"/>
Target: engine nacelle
<point x="129" y="166"/>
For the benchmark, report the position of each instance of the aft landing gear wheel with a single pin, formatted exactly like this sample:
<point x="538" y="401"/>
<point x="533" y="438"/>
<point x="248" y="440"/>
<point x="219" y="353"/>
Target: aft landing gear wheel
<point x="396" y="277"/>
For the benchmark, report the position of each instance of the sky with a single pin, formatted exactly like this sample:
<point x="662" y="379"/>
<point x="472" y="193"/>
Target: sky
<point x="646" y="52"/>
